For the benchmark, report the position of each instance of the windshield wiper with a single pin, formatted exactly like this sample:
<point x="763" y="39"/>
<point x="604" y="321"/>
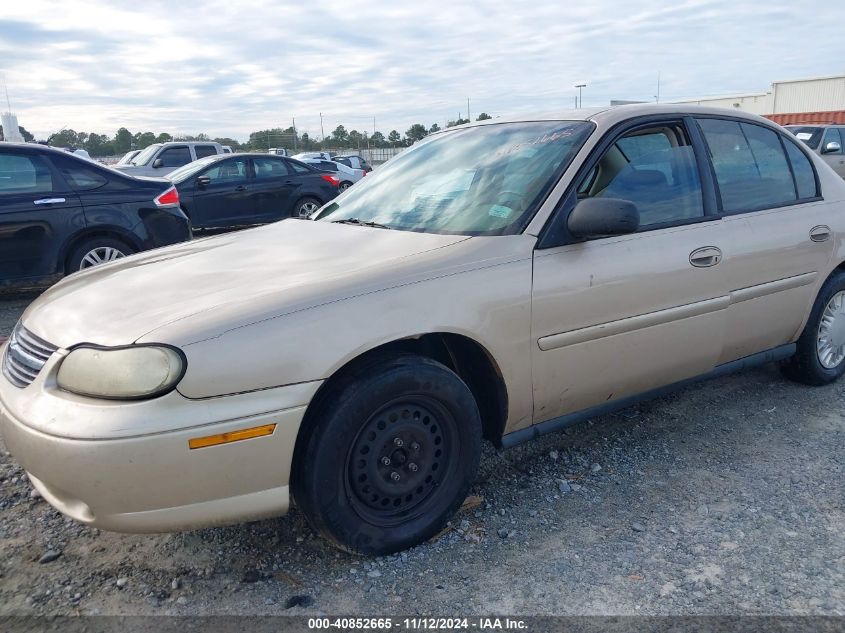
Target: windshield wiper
<point x="358" y="222"/>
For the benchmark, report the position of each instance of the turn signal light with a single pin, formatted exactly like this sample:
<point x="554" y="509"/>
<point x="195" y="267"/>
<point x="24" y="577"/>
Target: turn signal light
<point x="231" y="436"/>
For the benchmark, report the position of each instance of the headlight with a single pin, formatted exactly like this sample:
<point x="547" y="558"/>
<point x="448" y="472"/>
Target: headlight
<point x="122" y="373"/>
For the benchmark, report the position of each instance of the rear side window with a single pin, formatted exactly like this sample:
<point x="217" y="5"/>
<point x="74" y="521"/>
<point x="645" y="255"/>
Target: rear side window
<point x="24" y="174"/>
<point x="79" y="176"/>
<point x="269" y="168"/>
<point x="750" y="165"/>
<point x="299" y="168"/>
<point x="805" y="177"/>
<point x="175" y="156"/>
<point x="205" y="150"/>
<point x="344" y="161"/>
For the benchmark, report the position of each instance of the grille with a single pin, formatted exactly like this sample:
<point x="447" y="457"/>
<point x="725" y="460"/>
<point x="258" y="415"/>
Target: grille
<point x="25" y="356"/>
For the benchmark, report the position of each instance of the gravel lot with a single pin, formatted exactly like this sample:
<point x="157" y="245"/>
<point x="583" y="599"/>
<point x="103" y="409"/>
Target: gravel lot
<point x="725" y="498"/>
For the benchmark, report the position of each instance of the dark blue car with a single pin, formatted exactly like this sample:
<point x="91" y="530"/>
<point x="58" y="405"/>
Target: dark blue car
<point x="60" y="213"/>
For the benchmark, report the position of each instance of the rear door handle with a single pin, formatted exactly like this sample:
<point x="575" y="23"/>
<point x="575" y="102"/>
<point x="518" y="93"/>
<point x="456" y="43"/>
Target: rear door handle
<point x="240" y="188"/>
<point x="48" y="201"/>
<point x="820" y="233"/>
<point x="705" y="256"/>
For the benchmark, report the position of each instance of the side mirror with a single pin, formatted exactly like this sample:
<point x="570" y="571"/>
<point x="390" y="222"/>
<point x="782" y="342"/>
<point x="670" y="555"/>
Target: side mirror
<point x="603" y="217"/>
<point x="203" y="182"/>
<point x="831" y="148"/>
<point x="157" y="163"/>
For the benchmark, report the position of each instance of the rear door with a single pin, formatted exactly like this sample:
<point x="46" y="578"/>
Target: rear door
<point x="832" y="149"/>
<point x="201" y="151"/>
<point x="273" y="187"/>
<point x="778" y="236"/>
<point x="38" y="213"/>
<point x="226" y="199"/>
<point x="617" y="316"/>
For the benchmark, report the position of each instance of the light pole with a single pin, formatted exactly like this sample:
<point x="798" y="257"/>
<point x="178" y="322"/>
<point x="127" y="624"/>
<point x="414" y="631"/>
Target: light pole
<point x="580" y="100"/>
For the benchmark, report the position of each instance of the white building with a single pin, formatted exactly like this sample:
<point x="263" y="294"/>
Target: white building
<point x="815" y="94"/>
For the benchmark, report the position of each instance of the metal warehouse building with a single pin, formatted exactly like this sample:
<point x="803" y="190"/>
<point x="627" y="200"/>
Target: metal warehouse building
<point x="812" y="100"/>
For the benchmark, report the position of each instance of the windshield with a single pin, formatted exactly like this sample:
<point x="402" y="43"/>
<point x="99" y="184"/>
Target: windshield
<point x="127" y="157"/>
<point x="145" y="155"/>
<point x="483" y="180"/>
<point x="186" y="171"/>
<point x="810" y="135"/>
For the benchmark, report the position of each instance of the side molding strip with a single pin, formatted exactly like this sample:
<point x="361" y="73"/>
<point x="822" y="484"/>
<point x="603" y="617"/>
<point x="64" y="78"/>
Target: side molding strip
<point x="557" y="424"/>
<point x="771" y="287"/>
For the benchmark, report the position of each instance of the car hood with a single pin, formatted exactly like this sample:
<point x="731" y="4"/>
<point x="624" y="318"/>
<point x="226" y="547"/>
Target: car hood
<point x="232" y="280"/>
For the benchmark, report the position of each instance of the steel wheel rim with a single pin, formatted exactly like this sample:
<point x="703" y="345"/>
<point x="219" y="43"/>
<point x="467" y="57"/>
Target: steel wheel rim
<point x="307" y="208"/>
<point x="830" y="339"/>
<point x="100" y="255"/>
<point x="417" y="436"/>
<point x="344" y="186"/>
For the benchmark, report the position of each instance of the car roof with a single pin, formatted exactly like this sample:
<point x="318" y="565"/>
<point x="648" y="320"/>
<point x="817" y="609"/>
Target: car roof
<point x="611" y="115"/>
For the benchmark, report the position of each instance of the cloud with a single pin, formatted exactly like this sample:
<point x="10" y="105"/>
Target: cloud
<point x="229" y="68"/>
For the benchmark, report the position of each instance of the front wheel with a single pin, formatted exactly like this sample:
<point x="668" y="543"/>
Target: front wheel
<point x="344" y="186"/>
<point x="820" y="356"/>
<point x="392" y="452"/>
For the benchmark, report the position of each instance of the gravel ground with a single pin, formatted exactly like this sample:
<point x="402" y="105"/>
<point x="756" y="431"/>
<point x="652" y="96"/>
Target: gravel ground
<point x="725" y="498"/>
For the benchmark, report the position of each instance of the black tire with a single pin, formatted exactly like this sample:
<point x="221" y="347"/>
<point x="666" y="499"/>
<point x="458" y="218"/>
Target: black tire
<point x="805" y="366"/>
<point x="75" y="260"/>
<point x="344" y="186"/>
<point x="302" y="208"/>
<point x="411" y="410"/>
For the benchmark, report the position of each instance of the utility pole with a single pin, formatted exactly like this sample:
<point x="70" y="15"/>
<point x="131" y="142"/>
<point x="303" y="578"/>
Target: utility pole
<point x="322" y="133"/>
<point x="580" y="98"/>
<point x="374" y="125"/>
<point x="657" y="96"/>
<point x="469" y="118"/>
<point x="293" y="119"/>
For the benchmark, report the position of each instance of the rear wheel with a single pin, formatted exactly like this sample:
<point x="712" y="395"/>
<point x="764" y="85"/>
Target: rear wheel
<point x="95" y="251"/>
<point x="305" y="207"/>
<point x="820" y="356"/>
<point x="393" y="451"/>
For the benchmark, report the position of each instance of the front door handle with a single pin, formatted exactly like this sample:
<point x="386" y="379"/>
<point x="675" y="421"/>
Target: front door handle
<point x="48" y="201"/>
<point x="705" y="256"/>
<point x="240" y="188"/>
<point x="820" y="233"/>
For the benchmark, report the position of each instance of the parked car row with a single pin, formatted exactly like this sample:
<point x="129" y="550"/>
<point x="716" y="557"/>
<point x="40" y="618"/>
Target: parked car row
<point x="828" y="141"/>
<point x="500" y="280"/>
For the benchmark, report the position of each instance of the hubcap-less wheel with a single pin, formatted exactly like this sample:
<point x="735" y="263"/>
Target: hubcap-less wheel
<point x="100" y="255"/>
<point x="344" y="186"/>
<point x="830" y="342"/>
<point x="307" y="208"/>
<point x="401" y="455"/>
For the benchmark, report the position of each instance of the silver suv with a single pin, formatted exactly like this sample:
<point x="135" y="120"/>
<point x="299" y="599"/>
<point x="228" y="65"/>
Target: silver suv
<point x="827" y="141"/>
<point x="159" y="159"/>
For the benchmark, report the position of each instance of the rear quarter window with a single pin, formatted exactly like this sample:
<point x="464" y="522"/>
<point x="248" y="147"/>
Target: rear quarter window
<point x="805" y="175"/>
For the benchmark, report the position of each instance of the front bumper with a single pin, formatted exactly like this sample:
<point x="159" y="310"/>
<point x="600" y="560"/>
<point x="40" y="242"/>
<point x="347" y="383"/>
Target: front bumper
<point x="129" y="481"/>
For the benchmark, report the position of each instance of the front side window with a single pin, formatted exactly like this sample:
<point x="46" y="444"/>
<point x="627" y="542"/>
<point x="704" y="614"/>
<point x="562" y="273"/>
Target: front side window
<point x="227" y="171"/>
<point x="175" y="156"/>
<point x="21" y="174"/>
<point x="831" y="135"/>
<point x="484" y="180"/>
<point x="205" y="150"/>
<point x="269" y="168"/>
<point x="750" y="165"/>
<point x="655" y="169"/>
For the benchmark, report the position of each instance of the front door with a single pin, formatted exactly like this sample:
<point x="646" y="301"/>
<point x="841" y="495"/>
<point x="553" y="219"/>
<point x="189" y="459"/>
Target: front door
<point x="38" y="213"/>
<point x="832" y="149"/>
<point x="222" y="195"/>
<point x="617" y="316"/>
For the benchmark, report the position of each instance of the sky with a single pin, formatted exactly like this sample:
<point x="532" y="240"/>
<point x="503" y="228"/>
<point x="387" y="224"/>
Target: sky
<point x="229" y="68"/>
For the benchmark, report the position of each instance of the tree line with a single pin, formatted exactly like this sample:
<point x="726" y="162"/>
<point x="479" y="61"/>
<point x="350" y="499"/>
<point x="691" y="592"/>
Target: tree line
<point x="260" y="141"/>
